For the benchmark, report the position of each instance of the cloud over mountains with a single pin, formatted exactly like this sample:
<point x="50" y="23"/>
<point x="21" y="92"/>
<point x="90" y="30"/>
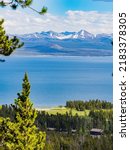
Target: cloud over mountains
<point x="20" y="22"/>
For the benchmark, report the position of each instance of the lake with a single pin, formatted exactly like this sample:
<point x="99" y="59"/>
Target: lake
<point x="54" y="80"/>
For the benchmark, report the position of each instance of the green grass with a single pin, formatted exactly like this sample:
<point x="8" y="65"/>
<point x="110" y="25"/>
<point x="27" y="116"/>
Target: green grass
<point x="63" y="110"/>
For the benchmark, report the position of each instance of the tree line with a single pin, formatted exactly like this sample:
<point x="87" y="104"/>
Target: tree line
<point x="91" y="104"/>
<point x="71" y="132"/>
<point x="102" y="119"/>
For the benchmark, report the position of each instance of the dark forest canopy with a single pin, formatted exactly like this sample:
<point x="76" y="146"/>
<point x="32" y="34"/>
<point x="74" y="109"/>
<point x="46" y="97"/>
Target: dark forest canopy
<point x="65" y="131"/>
<point x="72" y="132"/>
<point x="91" y="104"/>
<point x="61" y="141"/>
<point x="67" y="122"/>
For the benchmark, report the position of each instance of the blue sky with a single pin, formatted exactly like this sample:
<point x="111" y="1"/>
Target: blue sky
<point x="61" y="6"/>
<point x="94" y="16"/>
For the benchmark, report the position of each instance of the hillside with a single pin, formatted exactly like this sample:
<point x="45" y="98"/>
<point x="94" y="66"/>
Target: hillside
<point x="80" y="43"/>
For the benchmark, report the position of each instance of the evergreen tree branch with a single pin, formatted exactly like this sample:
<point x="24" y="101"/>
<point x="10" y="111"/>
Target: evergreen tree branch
<point x="23" y="3"/>
<point x="22" y="133"/>
<point x="7" y="45"/>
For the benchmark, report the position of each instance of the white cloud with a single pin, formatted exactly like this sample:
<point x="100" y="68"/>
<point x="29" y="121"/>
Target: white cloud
<point x="92" y="21"/>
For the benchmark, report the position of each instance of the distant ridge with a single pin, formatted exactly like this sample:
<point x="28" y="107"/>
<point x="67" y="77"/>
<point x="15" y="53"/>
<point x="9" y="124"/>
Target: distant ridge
<point x="82" y="34"/>
<point x="81" y="43"/>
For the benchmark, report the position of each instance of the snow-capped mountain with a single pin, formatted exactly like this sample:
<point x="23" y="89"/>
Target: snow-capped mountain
<point x="83" y="34"/>
<point x="80" y="43"/>
<point x="48" y="35"/>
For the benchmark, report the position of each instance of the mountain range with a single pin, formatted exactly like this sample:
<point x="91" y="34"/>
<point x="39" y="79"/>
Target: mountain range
<point x="80" y="43"/>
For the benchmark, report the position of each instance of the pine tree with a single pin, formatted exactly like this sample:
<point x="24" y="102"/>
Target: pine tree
<point x="22" y="134"/>
<point x="7" y="45"/>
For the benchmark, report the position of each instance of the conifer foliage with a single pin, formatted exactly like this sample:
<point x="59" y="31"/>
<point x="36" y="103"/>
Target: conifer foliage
<point x="14" y="4"/>
<point x="22" y="134"/>
<point x="7" y="45"/>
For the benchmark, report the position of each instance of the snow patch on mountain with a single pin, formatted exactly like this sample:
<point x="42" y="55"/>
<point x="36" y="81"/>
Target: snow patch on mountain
<point x="82" y="34"/>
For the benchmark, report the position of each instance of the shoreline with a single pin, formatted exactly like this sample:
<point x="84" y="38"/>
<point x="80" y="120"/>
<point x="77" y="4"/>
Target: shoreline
<point x="48" y="56"/>
<point x="103" y="59"/>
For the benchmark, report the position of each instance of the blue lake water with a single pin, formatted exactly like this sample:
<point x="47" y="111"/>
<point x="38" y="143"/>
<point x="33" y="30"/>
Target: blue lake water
<point x="57" y="79"/>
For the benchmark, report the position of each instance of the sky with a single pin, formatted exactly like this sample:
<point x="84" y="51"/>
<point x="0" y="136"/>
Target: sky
<point x="94" y="16"/>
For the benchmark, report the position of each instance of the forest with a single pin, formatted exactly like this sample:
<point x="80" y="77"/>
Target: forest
<point x="68" y="132"/>
<point x="91" y="104"/>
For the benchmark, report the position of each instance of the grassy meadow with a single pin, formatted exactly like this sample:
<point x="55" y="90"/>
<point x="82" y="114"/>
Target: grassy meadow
<point x="62" y="110"/>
